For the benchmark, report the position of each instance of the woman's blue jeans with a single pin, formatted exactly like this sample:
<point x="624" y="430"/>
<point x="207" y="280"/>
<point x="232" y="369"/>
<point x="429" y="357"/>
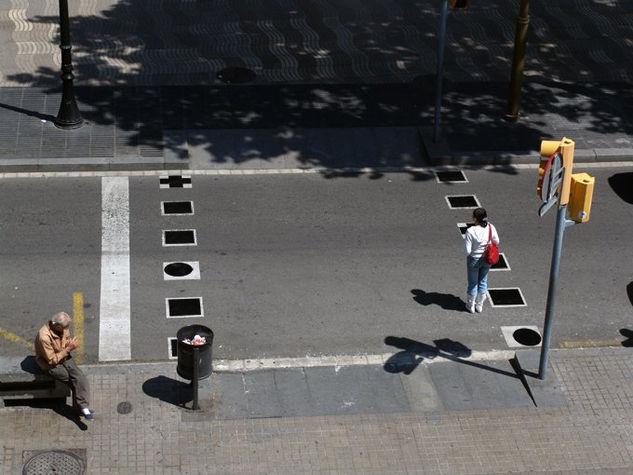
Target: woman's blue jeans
<point x="477" y="269"/>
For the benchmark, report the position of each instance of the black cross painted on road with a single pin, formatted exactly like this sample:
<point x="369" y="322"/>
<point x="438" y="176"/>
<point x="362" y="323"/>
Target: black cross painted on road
<point x="175" y="181"/>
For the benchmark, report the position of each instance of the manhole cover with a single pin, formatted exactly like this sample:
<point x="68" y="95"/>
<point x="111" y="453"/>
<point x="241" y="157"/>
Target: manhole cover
<point x="124" y="407"/>
<point x="236" y="75"/>
<point x="178" y="269"/>
<point x="527" y="337"/>
<point x="54" y="462"/>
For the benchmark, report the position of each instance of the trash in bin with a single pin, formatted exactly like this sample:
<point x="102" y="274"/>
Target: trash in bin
<point x="196" y="340"/>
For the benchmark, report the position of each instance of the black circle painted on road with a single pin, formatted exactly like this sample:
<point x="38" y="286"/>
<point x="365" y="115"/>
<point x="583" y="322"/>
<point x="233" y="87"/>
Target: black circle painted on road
<point x="527" y="337"/>
<point x="236" y="75"/>
<point x="178" y="269"/>
<point x="124" y="407"/>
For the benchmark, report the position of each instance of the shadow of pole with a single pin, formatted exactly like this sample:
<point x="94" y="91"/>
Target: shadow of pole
<point x="414" y="352"/>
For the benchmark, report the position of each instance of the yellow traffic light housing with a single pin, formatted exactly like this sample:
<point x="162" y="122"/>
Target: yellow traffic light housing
<point x="549" y="148"/>
<point x="458" y="4"/>
<point x="580" y="197"/>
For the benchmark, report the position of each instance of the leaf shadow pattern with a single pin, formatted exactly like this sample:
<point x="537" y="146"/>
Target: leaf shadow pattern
<point x="143" y="70"/>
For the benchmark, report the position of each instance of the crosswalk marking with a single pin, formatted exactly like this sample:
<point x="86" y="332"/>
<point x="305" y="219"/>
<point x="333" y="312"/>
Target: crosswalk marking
<point x="114" y="321"/>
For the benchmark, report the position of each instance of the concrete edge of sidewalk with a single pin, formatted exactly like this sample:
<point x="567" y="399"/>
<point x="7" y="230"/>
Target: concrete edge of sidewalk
<point x="246" y="365"/>
<point x="436" y="158"/>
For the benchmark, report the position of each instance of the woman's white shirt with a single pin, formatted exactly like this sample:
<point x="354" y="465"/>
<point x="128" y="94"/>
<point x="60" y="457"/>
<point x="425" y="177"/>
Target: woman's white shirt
<point x="477" y="238"/>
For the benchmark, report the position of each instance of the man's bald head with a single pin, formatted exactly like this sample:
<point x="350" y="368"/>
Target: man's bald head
<point x="62" y="319"/>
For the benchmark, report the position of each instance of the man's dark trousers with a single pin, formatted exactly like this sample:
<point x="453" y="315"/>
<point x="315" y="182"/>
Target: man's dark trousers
<point x="69" y="373"/>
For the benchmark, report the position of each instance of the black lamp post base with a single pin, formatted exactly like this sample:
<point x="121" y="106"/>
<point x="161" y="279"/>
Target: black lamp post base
<point x="60" y="124"/>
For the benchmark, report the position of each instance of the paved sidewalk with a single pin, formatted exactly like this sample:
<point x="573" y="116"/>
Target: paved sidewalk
<point x="591" y="434"/>
<point x="320" y="77"/>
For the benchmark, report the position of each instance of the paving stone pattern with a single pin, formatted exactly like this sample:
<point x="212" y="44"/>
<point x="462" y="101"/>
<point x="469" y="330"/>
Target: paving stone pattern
<point x="176" y="42"/>
<point x="147" y="69"/>
<point x="591" y="435"/>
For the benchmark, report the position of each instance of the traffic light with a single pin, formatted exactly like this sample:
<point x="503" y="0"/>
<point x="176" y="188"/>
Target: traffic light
<point x="580" y="196"/>
<point x="458" y="4"/>
<point x="549" y="150"/>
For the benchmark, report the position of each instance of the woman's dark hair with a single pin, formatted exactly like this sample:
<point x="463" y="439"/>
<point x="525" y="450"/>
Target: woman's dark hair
<point x="481" y="216"/>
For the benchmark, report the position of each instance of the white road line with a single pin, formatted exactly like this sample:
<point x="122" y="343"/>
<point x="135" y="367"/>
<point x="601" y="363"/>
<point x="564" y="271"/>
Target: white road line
<point x="114" y="321"/>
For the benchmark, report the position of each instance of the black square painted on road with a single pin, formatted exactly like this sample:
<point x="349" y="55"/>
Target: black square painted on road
<point x="453" y="176"/>
<point x="175" y="181"/>
<point x="178" y="207"/>
<point x="506" y="297"/>
<point x="502" y="264"/>
<point x="186" y="236"/>
<point x="173" y="347"/>
<point x="184" y="307"/>
<point x="464" y="201"/>
<point x="463" y="227"/>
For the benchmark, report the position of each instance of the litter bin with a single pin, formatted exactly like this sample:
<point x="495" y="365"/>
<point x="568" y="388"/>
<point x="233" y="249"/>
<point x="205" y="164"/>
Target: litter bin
<point x="187" y="352"/>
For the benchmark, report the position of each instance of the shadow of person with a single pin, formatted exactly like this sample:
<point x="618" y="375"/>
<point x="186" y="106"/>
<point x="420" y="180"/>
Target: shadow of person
<point x="168" y="390"/>
<point x="412" y="346"/>
<point x="402" y="362"/>
<point x="628" y="334"/>
<point x="446" y="301"/>
<point x="629" y="292"/>
<point x="412" y="355"/>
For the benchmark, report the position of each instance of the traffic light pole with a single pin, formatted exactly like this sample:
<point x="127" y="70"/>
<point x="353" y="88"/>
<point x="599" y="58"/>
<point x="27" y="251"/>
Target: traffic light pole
<point x="440" y="72"/>
<point x="561" y="223"/>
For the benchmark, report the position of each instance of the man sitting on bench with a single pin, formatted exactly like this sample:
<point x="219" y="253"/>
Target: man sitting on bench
<point x="52" y="353"/>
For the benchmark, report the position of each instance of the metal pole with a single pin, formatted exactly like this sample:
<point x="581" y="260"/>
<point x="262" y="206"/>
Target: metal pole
<point x="440" y="71"/>
<point x="551" y="292"/>
<point x="194" y="381"/>
<point x="518" y="62"/>
<point x="69" y="116"/>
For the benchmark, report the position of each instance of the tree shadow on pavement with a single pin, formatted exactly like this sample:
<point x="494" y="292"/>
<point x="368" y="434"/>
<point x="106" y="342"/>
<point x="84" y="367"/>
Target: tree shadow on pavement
<point x="446" y="301"/>
<point x="144" y="70"/>
<point x="414" y="352"/>
<point x="168" y="390"/>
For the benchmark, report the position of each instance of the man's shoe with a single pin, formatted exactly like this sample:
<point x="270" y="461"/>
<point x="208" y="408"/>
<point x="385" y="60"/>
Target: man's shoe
<point x="88" y="414"/>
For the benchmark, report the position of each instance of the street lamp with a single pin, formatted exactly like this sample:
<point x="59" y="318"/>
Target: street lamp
<point x="68" y="116"/>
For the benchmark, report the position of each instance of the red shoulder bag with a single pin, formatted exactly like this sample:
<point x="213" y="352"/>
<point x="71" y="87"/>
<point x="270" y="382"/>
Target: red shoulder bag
<point x="492" y="251"/>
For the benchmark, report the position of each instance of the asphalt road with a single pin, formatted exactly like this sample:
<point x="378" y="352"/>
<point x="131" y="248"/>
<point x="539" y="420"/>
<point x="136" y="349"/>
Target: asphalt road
<point x="296" y="265"/>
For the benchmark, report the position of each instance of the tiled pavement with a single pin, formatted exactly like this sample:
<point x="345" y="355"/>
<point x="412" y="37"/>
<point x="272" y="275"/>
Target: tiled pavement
<point x="147" y="77"/>
<point x="592" y="434"/>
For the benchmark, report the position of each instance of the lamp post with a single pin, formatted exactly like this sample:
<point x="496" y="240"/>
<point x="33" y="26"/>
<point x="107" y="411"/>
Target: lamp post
<point x="68" y="116"/>
<point x="518" y="62"/>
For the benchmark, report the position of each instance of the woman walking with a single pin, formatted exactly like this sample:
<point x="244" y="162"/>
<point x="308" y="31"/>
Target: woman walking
<point x="475" y="244"/>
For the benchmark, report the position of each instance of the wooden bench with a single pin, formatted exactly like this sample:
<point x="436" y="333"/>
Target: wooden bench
<point x="21" y="378"/>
